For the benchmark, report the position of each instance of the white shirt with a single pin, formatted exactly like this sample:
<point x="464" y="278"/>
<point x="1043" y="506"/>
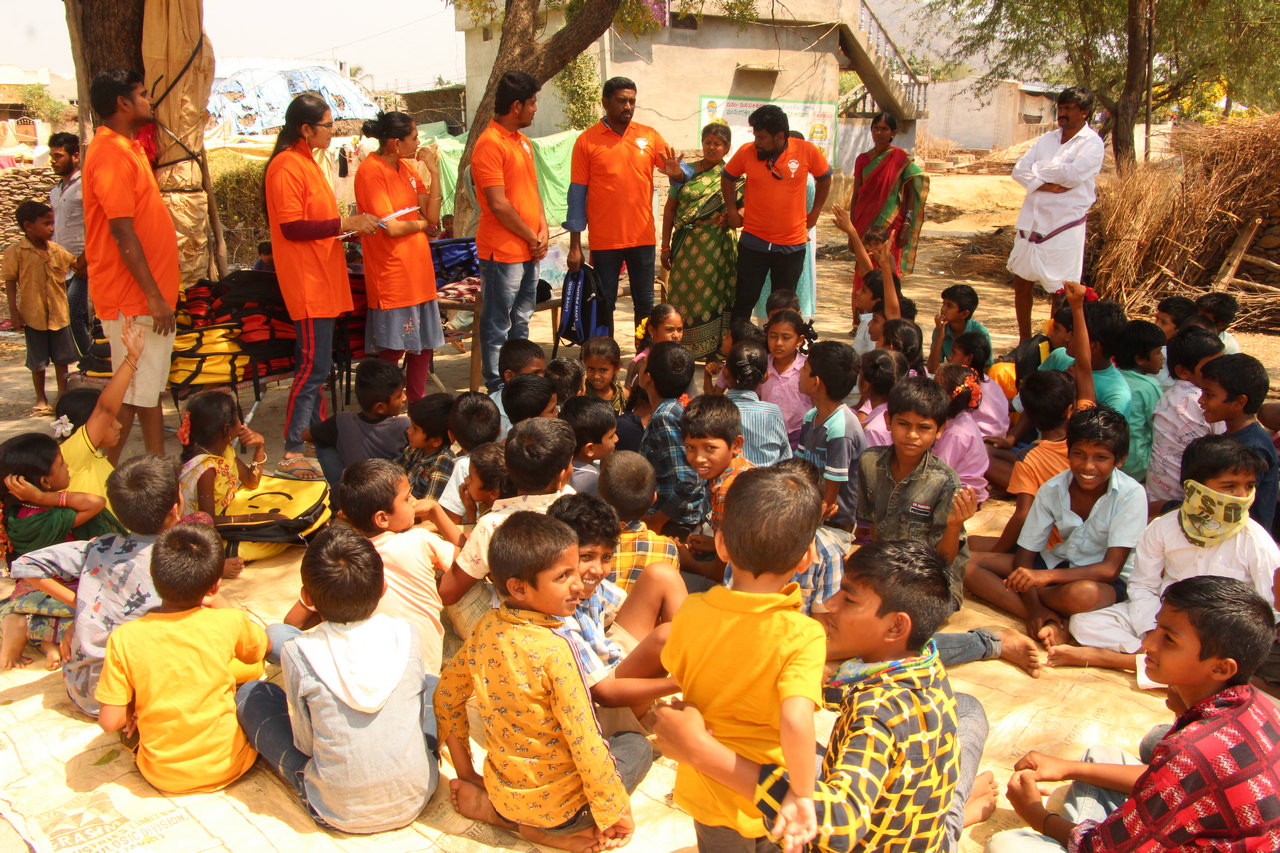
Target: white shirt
<point x="1164" y="556"/>
<point x="1117" y="520"/>
<point x="1074" y="165"/>
<point x="1178" y="420"/>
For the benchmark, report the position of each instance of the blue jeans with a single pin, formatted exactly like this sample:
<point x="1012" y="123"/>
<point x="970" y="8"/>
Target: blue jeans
<point x="277" y="636"/>
<point x="312" y="360"/>
<point x="78" y="303"/>
<point x="510" y="292"/>
<point x="978" y="644"/>
<point x="640" y="272"/>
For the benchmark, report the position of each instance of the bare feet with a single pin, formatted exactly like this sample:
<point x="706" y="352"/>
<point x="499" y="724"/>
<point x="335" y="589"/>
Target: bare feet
<point x="472" y="801"/>
<point x="232" y="567"/>
<point x="1053" y="634"/>
<point x="52" y="656"/>
<point x="14" y="641"/>
<point x="1021" y="651"/>
<point x="982" y="799"/>
<point x="588" y="841"/>
<point x="1068" y="655"/>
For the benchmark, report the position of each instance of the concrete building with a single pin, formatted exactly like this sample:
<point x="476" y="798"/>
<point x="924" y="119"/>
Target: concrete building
<point x="1011" y="113"/>
<point x="695" y="69"/>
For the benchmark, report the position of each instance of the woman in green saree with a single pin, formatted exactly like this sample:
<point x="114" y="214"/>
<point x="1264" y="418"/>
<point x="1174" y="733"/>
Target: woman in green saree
<point x="889" y="191"/>
<point x="701" y="254"/>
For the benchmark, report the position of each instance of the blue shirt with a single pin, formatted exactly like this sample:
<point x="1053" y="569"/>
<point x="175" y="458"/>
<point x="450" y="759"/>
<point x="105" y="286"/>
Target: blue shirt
<point x="680" y="489"/>
<point x="1117" y="520"/>
<point x="1256" y="438"/>
<point x="764" y="430"/>
<point x="821" y="579"/>
<point x="835" y="446"/>
<point x="596" y="654"/>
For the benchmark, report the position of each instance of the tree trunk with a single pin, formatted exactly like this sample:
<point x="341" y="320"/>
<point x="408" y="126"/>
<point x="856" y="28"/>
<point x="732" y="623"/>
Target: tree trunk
<point x="519" y="50"/>
<point x="110" y="35"/>
<point x="1135" y="75"/>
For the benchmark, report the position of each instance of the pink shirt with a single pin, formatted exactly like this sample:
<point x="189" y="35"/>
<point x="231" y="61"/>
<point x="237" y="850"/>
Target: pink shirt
<point x="875" y="429"/>
<point x="961" y="447"/>
<point x="410" y="561"/>
<point x="783" y="390"/>
<point x="1178" y="420"/>
<point x="992" y="414"/>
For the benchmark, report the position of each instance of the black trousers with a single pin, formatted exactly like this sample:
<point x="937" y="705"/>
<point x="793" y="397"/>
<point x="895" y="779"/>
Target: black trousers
<point x="783" y="268"/>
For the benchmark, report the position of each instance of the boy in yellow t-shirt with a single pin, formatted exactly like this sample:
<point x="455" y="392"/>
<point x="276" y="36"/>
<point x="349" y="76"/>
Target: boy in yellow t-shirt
<point x="750" y="659"/>
<point x="166" y="675"/>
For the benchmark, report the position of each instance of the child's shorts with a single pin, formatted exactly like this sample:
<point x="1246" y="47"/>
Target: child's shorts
<point x="44" y="346"/>
<point x="1120" y="587"/>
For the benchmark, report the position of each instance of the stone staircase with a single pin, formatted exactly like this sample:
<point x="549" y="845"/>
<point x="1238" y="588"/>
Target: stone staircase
<point x="887" y="78"/>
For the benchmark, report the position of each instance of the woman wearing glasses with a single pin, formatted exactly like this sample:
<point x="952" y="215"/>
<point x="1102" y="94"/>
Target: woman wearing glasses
<point x="311" y="267"/>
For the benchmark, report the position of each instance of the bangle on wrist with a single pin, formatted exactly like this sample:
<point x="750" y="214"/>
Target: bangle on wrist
<point x="62" y="499"/>
<point x="1044" y="824"/>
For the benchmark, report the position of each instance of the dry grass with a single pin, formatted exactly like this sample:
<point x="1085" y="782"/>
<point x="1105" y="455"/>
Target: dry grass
<point x="1165" y="228"/>
<point x="930" y="147"/>
<point x="983" y="256"/>
<point x="237" y="186"/>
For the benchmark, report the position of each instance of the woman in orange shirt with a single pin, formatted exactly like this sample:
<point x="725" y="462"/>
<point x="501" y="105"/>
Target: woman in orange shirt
<point x="403" y="318"/>
<point x="310" y="264"/>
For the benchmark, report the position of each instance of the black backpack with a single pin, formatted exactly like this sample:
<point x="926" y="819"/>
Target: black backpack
<point x="582" y="313"/>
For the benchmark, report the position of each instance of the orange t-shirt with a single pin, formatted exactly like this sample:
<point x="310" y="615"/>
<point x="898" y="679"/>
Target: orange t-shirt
<point x="397" y="270"/>
<point x="312" y="273"/>
<point x="1045" y="460"/>
<point x="775" y="209"/>
<point x="618" y="173"/>
<point x="118" y="184"/>
<point x="503" y="159"/>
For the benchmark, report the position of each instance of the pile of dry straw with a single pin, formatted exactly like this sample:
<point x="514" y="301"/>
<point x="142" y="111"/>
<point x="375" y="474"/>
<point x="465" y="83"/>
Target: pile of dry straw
<point x="1165" y="228"/>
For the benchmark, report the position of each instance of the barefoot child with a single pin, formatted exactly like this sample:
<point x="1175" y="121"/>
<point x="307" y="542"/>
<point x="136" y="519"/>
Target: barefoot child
<point x="428" y="459"/>
<point x="602" y="359"/>
<point x="960" y="445"/>
<point x="111" y="574"/>
<point x="831" y="436"/>
<point x="37" y="511"/>
<point x="352" y="731"/>
<point x="1099" y="513"/>
<point x="764" y="430"/>
<point x="595" y="432"/>
<point x="1210" y="534"/>
<point x="34" y="272"/>
<point x="782" y="381"/>
<point x="548" y="773"/>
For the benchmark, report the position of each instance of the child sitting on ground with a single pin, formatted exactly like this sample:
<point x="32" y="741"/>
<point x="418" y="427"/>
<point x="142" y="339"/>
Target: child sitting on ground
<point x="166" y="674"/>
<point x="1098" y="513"/>
<point x="212" y="472"/>
<point x="569" y="378"/>
<point x="527" y="396"/>
<point x="960" y="443"/>
<point x="664" y="323"/>
<point x="486" y="482"/>
<point x="740" y="331"/>
<point x="973" y="350"/>
<point x="764" y="430"/>
<point x="374" y="497"/>
<point x="712" y="431"/>
<point x="667" y="374"/>
<point x="34" y="272"/>
<point x="37" y="511"/>
<point x="904" y="491"/>
<point x="617" y="641"/>
<point x="1048" y="401"/>
<point x="832" y="437"/>
<point x="539" y="456"/>
<point x="1220" y="308"/>
<point x="603" y="359"/>
<point x="87" y="421"/>
<point x="548" y="773"/>
<point x="781" y="385"/>
<point x="595" y="432"/>
<point x="904" y="336"/>
<point x="959" y="301"/>
<point x="352" y="730"/>
<point x="474" y="420"/>
<point x="1210" y="534"/>
<point x="880" y="370"/>
<point x="1211" y="635"/>
<point x="759" y="705"/>
<point x="1140" y="358"/>
<point x="377" y="431"/>
<point x="428" y="460"/>
<point x="107" y="580"/>
<point x="1171" y="313"/>
<point x="629" y="485"/>
<point x="517" y="357"/>
<point x="1178" y="419"/>
<point x="891" y="771"/>
<point x="1233" y="389"/>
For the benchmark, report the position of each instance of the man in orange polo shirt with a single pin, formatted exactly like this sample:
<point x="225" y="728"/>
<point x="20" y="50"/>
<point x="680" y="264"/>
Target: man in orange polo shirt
<point x="612" y="195"/>
<point x="776" y="222"/>
<point x="512" y="235"/>
<point x="131" y="246"/>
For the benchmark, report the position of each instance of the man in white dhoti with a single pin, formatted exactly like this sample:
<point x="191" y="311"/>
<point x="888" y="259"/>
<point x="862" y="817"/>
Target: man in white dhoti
<point x="1060" y="173"/>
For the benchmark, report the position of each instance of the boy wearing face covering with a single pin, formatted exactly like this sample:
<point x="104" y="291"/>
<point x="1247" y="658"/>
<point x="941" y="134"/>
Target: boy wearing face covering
<point x="1211" y="533"/>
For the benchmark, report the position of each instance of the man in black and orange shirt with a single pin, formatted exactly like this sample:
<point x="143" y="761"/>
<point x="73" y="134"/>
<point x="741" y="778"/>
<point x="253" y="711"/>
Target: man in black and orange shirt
<point x="775" y="219"/>
<point x="612" y="194"/>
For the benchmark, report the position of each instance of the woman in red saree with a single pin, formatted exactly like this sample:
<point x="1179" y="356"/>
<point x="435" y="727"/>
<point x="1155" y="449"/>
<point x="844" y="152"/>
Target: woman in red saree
<point x="889" y="191"/>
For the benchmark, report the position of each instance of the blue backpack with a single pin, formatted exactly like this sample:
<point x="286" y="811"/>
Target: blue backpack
<point x="582" y="313"/>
